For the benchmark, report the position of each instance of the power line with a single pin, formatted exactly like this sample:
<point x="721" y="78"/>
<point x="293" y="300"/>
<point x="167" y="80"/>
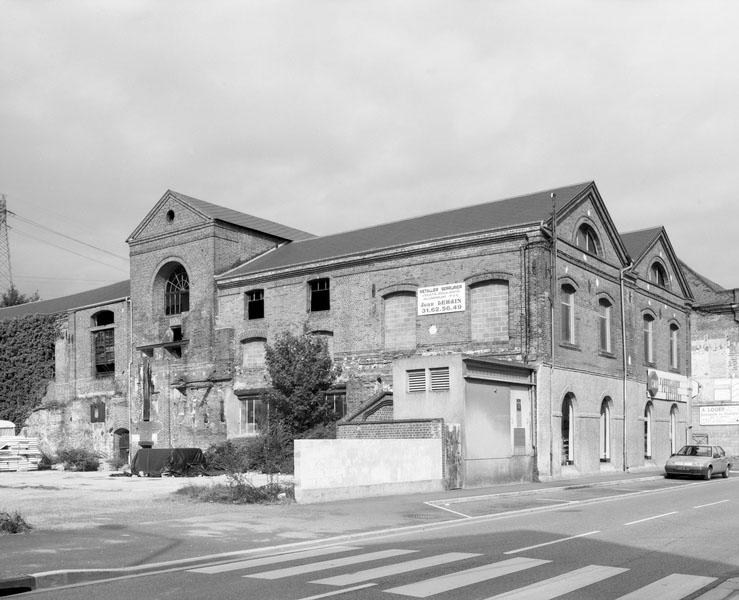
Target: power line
<point x="30" y="222"/>
<point x="28" y="235"/>
<point x="39" y="277"/>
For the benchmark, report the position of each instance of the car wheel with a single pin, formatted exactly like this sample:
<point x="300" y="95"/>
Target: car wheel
<point x="726" y="473"/>
<point x="709" y="473"/>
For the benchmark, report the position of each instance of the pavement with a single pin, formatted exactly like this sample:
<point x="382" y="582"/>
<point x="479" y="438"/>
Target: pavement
<point x="142" y="536"/>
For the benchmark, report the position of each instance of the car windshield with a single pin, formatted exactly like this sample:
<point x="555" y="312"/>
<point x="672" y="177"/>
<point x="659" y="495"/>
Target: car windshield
<point x="695" y="451"/>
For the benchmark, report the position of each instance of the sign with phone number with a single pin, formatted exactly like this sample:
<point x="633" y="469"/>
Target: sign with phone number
<point x="439" y="299"/>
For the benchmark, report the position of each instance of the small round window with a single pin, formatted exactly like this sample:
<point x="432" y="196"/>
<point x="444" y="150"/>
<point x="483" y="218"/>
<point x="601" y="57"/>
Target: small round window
<point x="170" y="215"/>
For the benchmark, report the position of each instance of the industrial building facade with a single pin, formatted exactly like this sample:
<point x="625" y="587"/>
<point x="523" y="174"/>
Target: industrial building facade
<point x="537" y="339"/>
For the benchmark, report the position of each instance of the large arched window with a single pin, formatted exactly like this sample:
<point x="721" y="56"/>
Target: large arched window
<point x="648" y="430"/>
<point x="399" y="322"/>
<point x="177" y="292"/>
<point x="605" y="430"/>
<point x="658" y="275"/>
<point x="568" y="430"/>
<point x="586" y="239"/>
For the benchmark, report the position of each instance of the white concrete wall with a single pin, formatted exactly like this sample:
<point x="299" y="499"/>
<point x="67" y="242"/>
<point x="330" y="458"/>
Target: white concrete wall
<point x="328" y="470"/>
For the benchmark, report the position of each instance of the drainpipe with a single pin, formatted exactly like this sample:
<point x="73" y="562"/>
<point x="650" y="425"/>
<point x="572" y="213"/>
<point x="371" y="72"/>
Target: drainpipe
<point x="621" y="272"/>
<point x="130" y="374"/>
<point x="552" y="295"/>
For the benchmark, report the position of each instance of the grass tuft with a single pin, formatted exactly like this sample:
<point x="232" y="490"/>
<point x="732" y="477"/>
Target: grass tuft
<point x="13" y="523"/>
<point x="240" y="490"/>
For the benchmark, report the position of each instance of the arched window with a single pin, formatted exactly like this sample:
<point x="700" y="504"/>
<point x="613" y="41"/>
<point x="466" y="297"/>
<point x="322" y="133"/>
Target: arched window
<point x="103" y="343"/>
<point x="673" y="429"/>
<point x="605" y="430"/>
<point x="568" y="431"/>
<point x="104" y="317"/>
<point x="658" y="275"/>
<point x="586" y="239"/>
<point x="648" y="339"/>
<point x="567" y="305"/>
<point x="674" y="338"/>
<point x="648" y="430"/>
<point x="177" y="292"/>
<point x="604" y="318"/>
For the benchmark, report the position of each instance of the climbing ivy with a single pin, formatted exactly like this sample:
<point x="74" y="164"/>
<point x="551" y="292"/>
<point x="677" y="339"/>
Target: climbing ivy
<point x="26" y="364"/>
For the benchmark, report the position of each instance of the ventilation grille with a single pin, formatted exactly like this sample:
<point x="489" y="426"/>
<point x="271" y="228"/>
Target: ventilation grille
<point x="417" y="380"/>
<point x="439" y="379"/>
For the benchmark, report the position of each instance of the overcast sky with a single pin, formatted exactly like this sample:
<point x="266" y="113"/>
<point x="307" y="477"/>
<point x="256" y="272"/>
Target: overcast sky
<point x="329" y="116"/>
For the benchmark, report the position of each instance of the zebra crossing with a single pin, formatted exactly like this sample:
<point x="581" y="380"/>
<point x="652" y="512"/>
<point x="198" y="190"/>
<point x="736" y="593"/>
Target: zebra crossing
<point x="396" y="561"/>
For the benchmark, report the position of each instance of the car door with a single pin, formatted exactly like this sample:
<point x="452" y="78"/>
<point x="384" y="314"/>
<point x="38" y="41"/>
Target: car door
<point x="720" y="463"/>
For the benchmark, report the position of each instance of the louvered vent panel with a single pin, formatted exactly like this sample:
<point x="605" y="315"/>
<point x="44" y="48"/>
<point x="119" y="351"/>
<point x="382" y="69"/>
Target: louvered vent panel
<point x="417" y="380"/>
<point x="439" y="379"/>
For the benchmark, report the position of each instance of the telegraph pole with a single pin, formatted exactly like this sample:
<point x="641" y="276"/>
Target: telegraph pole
<point x="6" y="275"/>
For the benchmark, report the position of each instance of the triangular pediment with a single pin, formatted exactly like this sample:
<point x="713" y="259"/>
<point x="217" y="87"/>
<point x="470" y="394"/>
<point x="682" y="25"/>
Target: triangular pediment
<point x="588" y="211"/>
<point x="171" y="214"/>
<point x="651" y="247"/>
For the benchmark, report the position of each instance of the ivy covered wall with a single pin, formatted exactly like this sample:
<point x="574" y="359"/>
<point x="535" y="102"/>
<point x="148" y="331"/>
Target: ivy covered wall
<point x="26" y="364"/>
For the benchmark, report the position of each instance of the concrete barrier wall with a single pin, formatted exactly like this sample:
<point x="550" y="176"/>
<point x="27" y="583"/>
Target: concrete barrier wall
<point x="328" y="470"/>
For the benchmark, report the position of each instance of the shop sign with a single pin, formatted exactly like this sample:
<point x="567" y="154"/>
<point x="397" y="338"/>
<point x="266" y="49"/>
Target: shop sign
<point x="665" y="386"/>
<point x="723" y="414"/>
<point x="439" y="299"/>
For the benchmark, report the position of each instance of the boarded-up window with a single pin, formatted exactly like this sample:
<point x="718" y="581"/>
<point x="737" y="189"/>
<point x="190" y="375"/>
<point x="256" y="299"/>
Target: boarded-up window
<point x="489" y="311"/>
<point x="400" y="321"/>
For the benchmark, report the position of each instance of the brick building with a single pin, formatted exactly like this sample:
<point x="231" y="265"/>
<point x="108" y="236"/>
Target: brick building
<point x="535" y="347"/>
<point x="715" y="352"/>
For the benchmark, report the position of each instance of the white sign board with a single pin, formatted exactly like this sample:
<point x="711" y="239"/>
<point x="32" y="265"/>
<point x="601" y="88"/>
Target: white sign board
<point x="438" y="299"/>
<point x="723" y="414"/>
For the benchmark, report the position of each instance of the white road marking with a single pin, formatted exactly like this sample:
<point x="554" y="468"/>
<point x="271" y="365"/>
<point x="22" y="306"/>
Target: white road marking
<point x="271" y="560"/>
<point x="339" y="592"/>
<point x="572" y="537"/>
<point x="454" y="512"/>
<point x="328" y="564"/>
<point x="711" y="504"/>
<point x="672" y="587"/>
<point x="674" y="512"/>
<point x="445" y="583"/>
<point x="403" y="567"/>
<point x="562" y="584"/>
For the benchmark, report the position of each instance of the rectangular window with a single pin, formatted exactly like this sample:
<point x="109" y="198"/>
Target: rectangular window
<point x="439" y="379"/>
<point x="673" y="347"/>
<point x="255" y="304"/>
<point x="336" y="401"/>
<point x="252" y="415"/>
<point x="97" y="412"/>
<point x="320" y="296"/>
<point x="417" y="380"/>
<point x="104" y="344"/>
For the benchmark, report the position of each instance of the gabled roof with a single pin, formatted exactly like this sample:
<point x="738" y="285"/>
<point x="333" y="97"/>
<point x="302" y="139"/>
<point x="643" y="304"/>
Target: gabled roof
<point x="228" y="215"/>
<point x="502" y="214"/>
<point x="638" y="242"/>
<point x="102" y="295"/>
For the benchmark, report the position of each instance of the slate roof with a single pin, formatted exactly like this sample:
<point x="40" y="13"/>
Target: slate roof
<point x="502" y="214"/>
<point x="101" y="295"/>
<point x="227" y="215"/>
<point x="637" y="242"/>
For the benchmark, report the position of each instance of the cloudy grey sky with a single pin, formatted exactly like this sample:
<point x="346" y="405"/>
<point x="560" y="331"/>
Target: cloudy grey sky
<point x="334" y="115"/>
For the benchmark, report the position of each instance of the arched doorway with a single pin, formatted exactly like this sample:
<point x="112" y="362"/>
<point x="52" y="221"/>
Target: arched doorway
<point x="648" y="430"/>
<point x="673" y="429"/>
<point x="121" y="444"/>
<point x="568" y="430"/>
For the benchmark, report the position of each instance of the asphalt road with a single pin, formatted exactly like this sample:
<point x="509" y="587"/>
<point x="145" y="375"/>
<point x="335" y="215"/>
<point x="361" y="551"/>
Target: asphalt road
<point x="656" y="539"/>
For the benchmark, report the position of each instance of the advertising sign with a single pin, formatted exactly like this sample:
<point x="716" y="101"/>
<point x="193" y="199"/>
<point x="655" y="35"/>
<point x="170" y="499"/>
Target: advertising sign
<point x="439" y="299"/>
<point x="720" y="414"/>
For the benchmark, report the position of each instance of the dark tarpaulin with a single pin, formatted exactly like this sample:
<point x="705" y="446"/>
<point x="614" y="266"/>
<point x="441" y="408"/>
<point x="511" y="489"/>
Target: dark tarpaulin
<point x="177" y="461"/>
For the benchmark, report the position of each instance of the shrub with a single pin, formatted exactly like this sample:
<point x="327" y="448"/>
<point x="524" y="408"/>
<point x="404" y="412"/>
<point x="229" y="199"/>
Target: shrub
<point x="117" y="463"/>
<point x="79" y="459"/>
<point x="239" y="490"/>
<point x="13" y="523"/>
<point x="231" y="456"/>
<point x="45" y="462"/>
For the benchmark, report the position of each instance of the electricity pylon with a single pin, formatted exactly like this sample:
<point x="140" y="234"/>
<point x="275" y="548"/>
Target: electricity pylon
<point x="6" y="275"/>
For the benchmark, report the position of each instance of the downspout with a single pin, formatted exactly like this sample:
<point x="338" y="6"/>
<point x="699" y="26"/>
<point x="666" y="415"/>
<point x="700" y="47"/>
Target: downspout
<point x="623" y="356"/>
<point x="552" y="294"/>
<point x="130" y="374"/>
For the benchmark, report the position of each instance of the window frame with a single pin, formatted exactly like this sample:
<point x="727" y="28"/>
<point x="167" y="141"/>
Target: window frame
<point x="103" y="351"/>
<point x="658" y="275"/>
<point x="605" y="328"/>
<point x="586" y="233"/>
<point x="648" y="338"/>
<point x="674" y="347"/>
<point x="567" y="314"/>
<point x="177" y="292"/>
<point x="254" y="303"/>
<point x="319" y="297"/>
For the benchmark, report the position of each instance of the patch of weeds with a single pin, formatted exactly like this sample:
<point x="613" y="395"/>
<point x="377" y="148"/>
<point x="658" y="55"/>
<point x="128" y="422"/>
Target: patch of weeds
<point x="13" y="523"/>
<point x="79" y="459"/>
<point x="239" y="490"/>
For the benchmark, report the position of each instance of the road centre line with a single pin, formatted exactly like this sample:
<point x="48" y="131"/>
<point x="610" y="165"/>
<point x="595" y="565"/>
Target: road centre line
<point x="339" y="592"/>
<point x="711" y="504"/>
<point x="572" y="537"/>
<point x="674" y="512"/>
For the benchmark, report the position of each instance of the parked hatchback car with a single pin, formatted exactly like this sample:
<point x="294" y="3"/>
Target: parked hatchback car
<point x="704" y="461"/>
